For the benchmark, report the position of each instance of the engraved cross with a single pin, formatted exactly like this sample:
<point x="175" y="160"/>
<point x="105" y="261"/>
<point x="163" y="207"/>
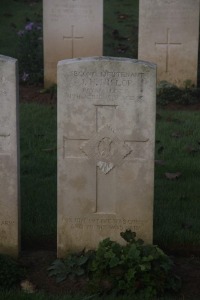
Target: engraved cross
<point x="72" y="37"/>
<point x="106" y="148"/>
<point x="167" y="46"/>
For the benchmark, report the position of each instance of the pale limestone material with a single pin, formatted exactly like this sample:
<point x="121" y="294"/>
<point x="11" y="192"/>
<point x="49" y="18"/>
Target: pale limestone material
<point x="106" y="128"/>
<point x="72" y="28"/>
<point x="169" y="37"/>
<point x="9" y="157"/>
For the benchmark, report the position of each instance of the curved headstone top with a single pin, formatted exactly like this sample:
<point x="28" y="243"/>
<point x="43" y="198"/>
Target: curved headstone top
<point x="108" y="59"/>
<point x="7" y="58"/>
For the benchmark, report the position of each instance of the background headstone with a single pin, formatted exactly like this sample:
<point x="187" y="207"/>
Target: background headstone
<point x="168" y="36"/>
<point x="106" y="127"/>
<point x="9" y="154"/>
<point x="72" y="28"/>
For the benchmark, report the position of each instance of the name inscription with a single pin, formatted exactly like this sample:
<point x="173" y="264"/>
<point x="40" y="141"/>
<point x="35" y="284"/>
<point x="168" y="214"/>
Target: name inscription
<point x="107" y="85"/>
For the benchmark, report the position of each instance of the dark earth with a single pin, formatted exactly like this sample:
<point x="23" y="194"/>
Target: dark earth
<point x="36" y="262"/>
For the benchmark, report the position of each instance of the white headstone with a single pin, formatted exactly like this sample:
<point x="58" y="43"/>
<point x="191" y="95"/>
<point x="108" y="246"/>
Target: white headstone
<point x="169" y="37"/>
<point x="106" y="128"/>
<point x="72" y="28"/>
<point x="9" y="162"/>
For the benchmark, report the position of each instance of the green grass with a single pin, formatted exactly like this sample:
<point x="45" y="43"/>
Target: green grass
<point x="13" y="16"/>
<point x="39" y="296"/>
<point x="121" y="28"/>
<point x="38" y="171"/>
<point x="177" y="207"/>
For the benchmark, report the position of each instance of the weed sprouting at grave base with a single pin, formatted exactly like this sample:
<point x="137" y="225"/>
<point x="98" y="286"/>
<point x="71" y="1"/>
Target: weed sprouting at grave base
<point x="131" y="269"/>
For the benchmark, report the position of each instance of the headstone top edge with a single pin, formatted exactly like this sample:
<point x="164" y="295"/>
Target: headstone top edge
<point x="7" y="58"/>
<point x="106" y="59"/>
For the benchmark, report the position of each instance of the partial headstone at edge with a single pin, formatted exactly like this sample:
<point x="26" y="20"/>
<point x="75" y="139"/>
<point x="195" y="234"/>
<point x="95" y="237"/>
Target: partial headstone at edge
<point x="9" y="157"/>
<point x="72" y="28"/>
<point x="169" y="37"/>
<point x="106" y="135"/>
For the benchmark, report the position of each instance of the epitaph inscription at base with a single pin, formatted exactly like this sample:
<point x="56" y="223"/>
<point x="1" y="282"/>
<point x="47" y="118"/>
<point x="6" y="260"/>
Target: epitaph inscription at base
<point x="106" y="128"/>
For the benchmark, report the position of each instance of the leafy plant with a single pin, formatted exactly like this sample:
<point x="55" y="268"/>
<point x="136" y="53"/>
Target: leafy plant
<point x="75" y="265"/>
<point x="10" y="272"/>
<point x="30" y="53"/>
<point x="134" y="268"/>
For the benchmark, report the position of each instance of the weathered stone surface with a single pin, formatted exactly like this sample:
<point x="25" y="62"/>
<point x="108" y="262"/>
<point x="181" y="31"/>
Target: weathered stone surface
<point x="168" y="36"/>
<point x="9" y="163"/>
<point x="72" y="28"/>
<point x="106" y="127"/>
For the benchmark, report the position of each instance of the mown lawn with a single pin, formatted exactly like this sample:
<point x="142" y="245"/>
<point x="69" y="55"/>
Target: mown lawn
<point x="13" y="17"/>
<point x="177" y="209"/>
<point x="40" y="296"/>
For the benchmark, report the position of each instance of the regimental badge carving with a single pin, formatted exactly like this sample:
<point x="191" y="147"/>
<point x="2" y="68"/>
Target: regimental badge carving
<point x="106" y="148"/>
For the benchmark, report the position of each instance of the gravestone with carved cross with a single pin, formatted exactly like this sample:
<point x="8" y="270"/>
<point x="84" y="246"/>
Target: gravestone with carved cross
<point x="9" y="158"/>
<point x="169" y="37"/>
<point x="106" y="125"/>
<point x="72" y="28"/>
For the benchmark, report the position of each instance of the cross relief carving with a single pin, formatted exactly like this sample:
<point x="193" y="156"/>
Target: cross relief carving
<point x="168" y="44"/>
<point x="105" y="147"/>
<point x="72" y="37"/>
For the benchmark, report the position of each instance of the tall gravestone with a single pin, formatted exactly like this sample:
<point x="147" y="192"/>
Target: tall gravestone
<point x="9" y="162"/>
<point x="106" y="127"/>
<point x="169" y="37"/>
<point x="72" y="28"/>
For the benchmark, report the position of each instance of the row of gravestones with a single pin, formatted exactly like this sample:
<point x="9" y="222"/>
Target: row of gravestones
<point x="106" y="135"/>
<point x="106" y="112"/>
<point x="168" y="35"/>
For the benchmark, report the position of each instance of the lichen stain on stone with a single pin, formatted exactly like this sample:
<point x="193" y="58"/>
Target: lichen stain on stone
<point x="78" y="183"/>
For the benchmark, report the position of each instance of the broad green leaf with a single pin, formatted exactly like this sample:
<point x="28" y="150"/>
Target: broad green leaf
<point x="114" y="262"/>
<point x="82" y="260"/>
